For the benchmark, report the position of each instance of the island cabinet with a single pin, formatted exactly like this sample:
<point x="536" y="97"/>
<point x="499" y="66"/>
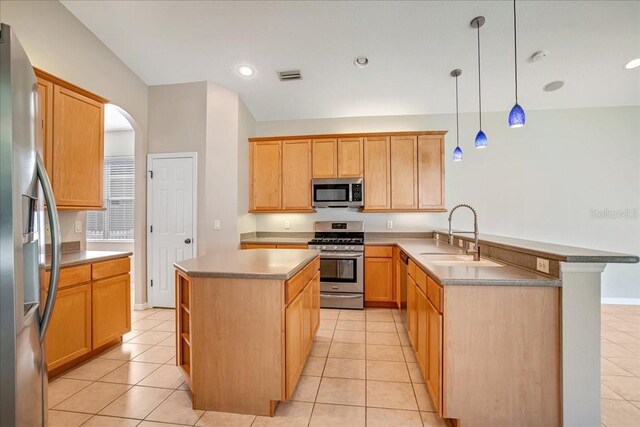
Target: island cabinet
<point x="92" y="311"/>
<point x="473" y="343"/>
<point x="242" y="342"/>
<point x="72" y="123"/>
<point x="280" y="176"/>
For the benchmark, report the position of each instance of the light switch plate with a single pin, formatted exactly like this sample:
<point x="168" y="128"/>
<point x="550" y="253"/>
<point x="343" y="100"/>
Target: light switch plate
<point x="78" y="226"/>
<point x="287" y="225"/>
<point x="389" y="225"/>
<point x="461" y="243"/>
<point x="542" y="265"/>
<point x="216" y="224"/>
<point x="437" y="236"/>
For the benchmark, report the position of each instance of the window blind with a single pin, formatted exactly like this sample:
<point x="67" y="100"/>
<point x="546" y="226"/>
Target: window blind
<point x="116" y="222"/>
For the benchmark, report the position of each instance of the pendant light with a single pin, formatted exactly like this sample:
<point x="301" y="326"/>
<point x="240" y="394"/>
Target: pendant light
<point x="481" y="138"/>
<point x="517" y="117"/>
<point x="457" y="152"/>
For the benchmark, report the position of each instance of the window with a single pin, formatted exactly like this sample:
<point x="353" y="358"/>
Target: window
<point x="116" y="222"/>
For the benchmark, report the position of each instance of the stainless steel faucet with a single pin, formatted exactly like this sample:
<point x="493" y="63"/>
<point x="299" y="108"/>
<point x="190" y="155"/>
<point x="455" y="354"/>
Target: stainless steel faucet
<point x="476" y="253"/>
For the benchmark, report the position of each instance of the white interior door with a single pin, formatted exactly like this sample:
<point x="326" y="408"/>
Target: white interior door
<point x="171" y="227"/>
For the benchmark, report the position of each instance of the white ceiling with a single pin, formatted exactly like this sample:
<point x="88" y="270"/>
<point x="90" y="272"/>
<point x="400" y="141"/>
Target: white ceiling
<point x="412" y="47"/>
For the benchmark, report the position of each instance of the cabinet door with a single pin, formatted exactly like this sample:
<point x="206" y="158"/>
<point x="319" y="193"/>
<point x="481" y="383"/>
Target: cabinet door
<point x="307" y="327"/>
<point x="111" y="304"/>
<point x="350" y="157"/>
<point x="294" y="342"/>
<point x="430" y="172"/>
<point x="45" y="92"/>
<point x="325" y="158"/>
<point x="434" y="356"/>
<point x="422" y="333"/>
<point x="377" y="174"/>
<point x="69" y="334"/>
<point x="412" y="313"/>
<point x="404" y="172"/>
<point x="315" y="314"/>
<point x="378" y="279"/>
<point x="296" y="175"/>
<point x="78" y="151"/>
<point x="266" y="178"/>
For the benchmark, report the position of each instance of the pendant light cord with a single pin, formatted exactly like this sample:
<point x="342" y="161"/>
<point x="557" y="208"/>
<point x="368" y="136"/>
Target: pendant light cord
<point x="457" y="120"/>
<point x="479" y="81"/>
<point x="515" y="47"/>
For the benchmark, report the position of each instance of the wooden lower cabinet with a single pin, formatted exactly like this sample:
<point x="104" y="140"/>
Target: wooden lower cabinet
<point x="431" y="352"/>
<point x="378" y="280"/>
<point x="183" y="326"/>
<point x="89" y="314"/>
<point x="69" y="334"/>
<point x="412" y="313"/>
<point x="295" y="341"/>
<point x="422" y="333"/>
<point x="315" y="307"/>
<point x="111" y="304"/>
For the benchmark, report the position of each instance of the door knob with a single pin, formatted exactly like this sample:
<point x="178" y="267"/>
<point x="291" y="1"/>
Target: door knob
<point x="187" y="240"/>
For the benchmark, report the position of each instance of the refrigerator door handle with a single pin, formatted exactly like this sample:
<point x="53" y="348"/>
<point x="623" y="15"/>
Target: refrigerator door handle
<point x="52" y="214"/>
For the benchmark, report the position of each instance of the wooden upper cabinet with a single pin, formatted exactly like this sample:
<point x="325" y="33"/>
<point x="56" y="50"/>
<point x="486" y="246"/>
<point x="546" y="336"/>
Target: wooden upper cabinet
<point x="45" y="92"/>
<point x="72" y="142"/>
<point x="430" y="172"/>
<point x="325" y="158"/>
<point x="377" y="173"/>
<point x="404" y="172"/>
<point x="350" y="157"/>
<point x="266" y="175"/>
<point x="296" y="174"/>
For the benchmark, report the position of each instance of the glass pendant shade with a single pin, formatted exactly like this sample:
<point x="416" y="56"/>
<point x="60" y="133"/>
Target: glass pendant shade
<point x="457" y="154"/>
<point x="481" y="140"/>
<point x="517" y="117"/>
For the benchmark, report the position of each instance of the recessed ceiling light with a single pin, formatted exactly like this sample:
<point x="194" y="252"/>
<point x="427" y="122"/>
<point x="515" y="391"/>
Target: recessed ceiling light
<point x="245" y="70"/>
<point x="553" y="86"/>
<point x="361" y="61"/>
<point x="634" y="63"/>
<point x="539" y="56"/>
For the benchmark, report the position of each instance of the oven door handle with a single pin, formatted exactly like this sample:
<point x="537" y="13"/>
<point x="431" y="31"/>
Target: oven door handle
<point x="340" y="295"/>
<point x="340" y="255"/>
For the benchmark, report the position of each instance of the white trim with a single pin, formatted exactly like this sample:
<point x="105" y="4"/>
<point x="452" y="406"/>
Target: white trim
<point x="150" y="157"/>
<point x="624" y="301"/>
<point x="582" y="267"/>
<point x="140" y="307"/>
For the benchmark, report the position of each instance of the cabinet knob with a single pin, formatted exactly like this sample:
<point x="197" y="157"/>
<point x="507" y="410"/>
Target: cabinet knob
<point x="187" y="240"/>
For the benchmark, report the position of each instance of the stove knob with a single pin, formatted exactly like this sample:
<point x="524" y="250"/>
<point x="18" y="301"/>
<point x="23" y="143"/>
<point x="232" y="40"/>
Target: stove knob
<point x="323" y="248"/>
<point x="335" y="248"/>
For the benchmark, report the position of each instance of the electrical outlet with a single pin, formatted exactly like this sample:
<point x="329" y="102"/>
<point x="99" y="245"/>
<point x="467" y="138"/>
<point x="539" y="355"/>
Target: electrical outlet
<point x="461" y="243"/>
<point x="389" y="225"/>
<point x="287" y="225"/>
<point x="78" y="226"/>
<point x="437" y="236"/>
<point x="472" y="246"/>
<point x="542" y="265"/>
<point x="216" y="224"/>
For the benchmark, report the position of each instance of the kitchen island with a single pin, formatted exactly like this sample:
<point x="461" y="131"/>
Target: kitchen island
<point x="246" y="321"/>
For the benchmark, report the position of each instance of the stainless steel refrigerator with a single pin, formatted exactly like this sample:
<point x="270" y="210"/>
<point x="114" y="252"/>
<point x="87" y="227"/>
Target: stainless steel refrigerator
<point x="24" y="188"/>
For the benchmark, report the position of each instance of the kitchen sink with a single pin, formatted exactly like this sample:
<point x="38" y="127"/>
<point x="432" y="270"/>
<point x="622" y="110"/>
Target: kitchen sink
<point x="449" y="260"/>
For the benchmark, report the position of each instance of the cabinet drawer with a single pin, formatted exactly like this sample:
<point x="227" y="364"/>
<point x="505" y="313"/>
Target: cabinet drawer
<point x="421" y="280"/>
<point x="111" y="268"/>
<point x="70" y="276"/>
<point x="378" y="251"/>
<point x="294" y="285"/>
<point x="434" y="293"/>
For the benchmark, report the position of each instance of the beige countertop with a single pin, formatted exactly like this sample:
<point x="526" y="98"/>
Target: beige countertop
<point x="70" y="259"/>
<point x="275" y="264"/>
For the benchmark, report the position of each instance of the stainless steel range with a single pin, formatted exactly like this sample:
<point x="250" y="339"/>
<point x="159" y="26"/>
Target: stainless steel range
<point x="341" y="246"/>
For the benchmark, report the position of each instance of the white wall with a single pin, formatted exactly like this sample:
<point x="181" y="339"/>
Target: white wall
<point x="57" y="42"/>
<point x="539" y="182"/>
<point x="119" y="143"/>
<point x="246" y="129"/>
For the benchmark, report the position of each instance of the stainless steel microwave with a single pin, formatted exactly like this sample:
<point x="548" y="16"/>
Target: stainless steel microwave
<point x="337" y="192"/>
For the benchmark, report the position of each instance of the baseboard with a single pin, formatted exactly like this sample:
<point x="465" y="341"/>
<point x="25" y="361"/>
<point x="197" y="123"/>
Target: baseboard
<point x="140" y="307"/>
<point x="625" y="301"/>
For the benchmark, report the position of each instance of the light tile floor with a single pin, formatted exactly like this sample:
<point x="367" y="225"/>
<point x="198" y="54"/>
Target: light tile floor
<point x="361" y="371"/>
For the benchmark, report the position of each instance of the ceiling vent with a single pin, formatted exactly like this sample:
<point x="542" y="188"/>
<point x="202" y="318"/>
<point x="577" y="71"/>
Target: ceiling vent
<point x="289" y="75"/>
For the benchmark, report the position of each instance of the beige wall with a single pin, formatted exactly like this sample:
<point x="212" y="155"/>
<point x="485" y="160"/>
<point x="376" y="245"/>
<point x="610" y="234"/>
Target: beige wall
<point x="540" y="182"/>
<point x="246" y="129"/>
<point x="119" y="143"/>
<point x="57" y="42"/>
